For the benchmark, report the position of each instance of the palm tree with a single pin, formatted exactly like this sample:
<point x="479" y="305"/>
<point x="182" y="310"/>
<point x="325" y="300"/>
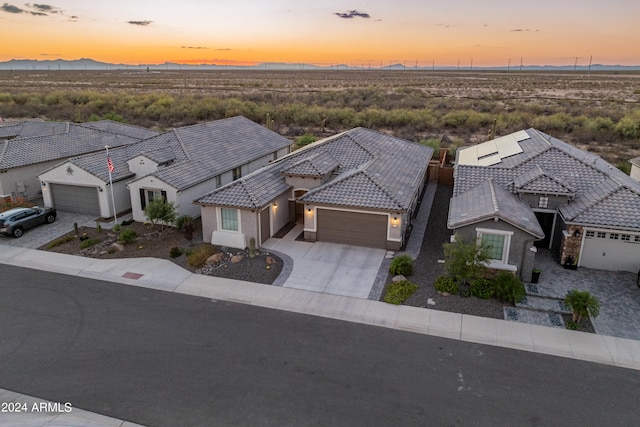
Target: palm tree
<point x="582" y="304"/>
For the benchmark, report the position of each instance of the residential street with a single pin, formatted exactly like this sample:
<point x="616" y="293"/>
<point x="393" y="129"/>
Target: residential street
<point x="159" y="358"/>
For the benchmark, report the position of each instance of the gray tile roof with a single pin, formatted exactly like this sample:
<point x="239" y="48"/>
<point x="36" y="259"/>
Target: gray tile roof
<point x="537" y="180"/>
<point x="96" y="164"/>
<point x="374" y="171"/>
<point x="549" y="165"/>
<point x="76" y="140"/>
<point x="31" y="128"/>
<point x="314" y="166"/>
<point x="205" y="150"/>
<point x="121" y="129"/>
<point x="488" y="201"/>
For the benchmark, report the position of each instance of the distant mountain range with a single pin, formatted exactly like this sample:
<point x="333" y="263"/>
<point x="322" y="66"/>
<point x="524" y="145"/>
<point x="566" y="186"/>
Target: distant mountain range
<point x="90" y="64"/>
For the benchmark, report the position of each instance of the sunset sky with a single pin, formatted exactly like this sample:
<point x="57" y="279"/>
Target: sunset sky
<point x="358" y="32"/>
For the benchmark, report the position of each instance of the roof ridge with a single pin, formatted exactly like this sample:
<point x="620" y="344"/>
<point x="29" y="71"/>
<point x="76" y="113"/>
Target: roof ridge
<point x="252" y="196"/>
<point x="184" y="148"/>
<point x="4" y="149"/>
<point x="383" y="188"/>
<point x="597" y="200"/>
<point x="494" y="199"/>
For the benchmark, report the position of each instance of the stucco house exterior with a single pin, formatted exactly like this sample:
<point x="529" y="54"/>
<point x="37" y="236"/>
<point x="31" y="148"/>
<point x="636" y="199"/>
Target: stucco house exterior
<point x="360" y="187"/>
<point x="30" y="147"/>
<point x="178" y="165"/>
<point x="528" y="190"/>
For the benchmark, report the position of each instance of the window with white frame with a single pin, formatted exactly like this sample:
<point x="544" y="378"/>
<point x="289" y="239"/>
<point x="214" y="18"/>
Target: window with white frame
<point x="218" y="181"/>
<point x="614" y="236"/>
<point x="590" y="234"/>
<point x="601" y="235"/>
<point x="636" y="239"/>
<point x="625" y="237"/>
<point x="543" y="202"/>
<point x="237" y="173"/>
<point x="497" y="242"/>
<point x="229" y="219"/>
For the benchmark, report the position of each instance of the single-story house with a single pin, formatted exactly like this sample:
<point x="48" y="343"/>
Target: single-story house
<point x="360" y="187"/>
<point x="178" y="165"/>
<point x="27" y="148"/>
<point x="528" y="190"/>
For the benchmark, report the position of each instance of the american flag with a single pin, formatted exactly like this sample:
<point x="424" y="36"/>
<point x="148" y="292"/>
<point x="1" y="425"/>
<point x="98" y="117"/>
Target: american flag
<point x="110" y="164"/>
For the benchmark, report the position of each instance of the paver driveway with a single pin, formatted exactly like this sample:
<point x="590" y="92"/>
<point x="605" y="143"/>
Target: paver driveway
<point x="38" y="236"/>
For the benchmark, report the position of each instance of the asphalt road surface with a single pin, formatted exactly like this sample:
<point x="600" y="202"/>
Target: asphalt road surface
<point x="158" y="358"/>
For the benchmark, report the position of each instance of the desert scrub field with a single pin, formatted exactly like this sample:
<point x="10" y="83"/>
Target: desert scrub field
<point x="599" y="111"/>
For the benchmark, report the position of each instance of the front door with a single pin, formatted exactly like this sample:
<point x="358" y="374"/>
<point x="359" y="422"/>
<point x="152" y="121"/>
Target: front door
<point x="546" y="220"/>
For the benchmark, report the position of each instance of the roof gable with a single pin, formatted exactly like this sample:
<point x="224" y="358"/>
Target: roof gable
<point x="536" y="180"/>
<point x="489" y="201"/>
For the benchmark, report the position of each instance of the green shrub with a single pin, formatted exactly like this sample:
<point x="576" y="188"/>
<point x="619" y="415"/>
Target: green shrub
<point x="508" y="287"/>
<point x="127" y="236"/>
<point x="60" y="241"/>
<point x="117" y="228"/>
<point x="446" y="284"/>
<point x="582" y="304"/>
<point x="574" y="326"/>
<point x="402" y="264"/>
<point x="88" y="243"/>
<point x="482" y="288"/>
<point x="198" y="255"/>
<point x="399" y="292"/>
<point x="175" y="252"/>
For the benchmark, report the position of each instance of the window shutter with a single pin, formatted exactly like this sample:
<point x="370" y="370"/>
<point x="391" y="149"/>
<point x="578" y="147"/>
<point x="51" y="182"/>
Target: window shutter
<point x="143" y="201"/>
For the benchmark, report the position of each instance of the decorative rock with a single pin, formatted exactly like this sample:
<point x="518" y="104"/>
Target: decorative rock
<point x="270" y="261"/>
<point x="215" y="258"/>
<point x="398" y="278"/>
<point x="392" y="253"/>
<point x="430" y="301"/>
<point x="236" y="258"/>
<point x="117" y="246"/>
<point x="388" y="256"/>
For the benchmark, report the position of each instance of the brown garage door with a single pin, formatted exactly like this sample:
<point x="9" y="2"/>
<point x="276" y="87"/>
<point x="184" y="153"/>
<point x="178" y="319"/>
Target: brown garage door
<point x="75" y="198"/>
<point x="352" y="228"/>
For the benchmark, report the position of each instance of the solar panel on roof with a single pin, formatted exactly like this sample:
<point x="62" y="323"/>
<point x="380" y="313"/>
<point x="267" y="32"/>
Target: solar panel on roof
<point x="508" y="147"/>
<point x="521" y="135"/>
<point x="486" y="148"/>
<point x="489" y="160"/>
<point x="468" y="156"/>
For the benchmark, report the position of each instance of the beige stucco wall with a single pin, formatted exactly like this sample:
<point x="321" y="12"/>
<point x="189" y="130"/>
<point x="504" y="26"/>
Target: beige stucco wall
<point x="28" y="175"/>
<point x="635" y="172"/>
<point x="142" y="165"/>
<point x="148" y="183"/>
<point x="209" y="219"/>
<point x="280" y="215"/>
<point x="299" y="183"/>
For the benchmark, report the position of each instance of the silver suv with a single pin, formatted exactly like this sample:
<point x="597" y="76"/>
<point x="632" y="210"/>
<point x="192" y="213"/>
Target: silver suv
<point x="14" y="221"/>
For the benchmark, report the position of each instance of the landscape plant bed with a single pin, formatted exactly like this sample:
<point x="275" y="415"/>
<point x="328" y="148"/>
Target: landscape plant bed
<point x="150" y="242"/>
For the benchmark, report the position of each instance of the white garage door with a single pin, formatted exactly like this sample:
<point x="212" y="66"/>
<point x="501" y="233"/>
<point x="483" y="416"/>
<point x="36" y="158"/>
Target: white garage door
<point x="75" y="198"/>
<point x="611" y="251"/>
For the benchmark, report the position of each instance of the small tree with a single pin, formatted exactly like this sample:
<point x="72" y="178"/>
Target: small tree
<point x="465" y="261"/>
<point x="160" y="211"/>
<point x="185" y="224"/>
<point x="582" y="304"/>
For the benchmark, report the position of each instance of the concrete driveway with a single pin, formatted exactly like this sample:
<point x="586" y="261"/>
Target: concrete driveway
<point x="38" y="236"/>
<point x="329" y="267"/>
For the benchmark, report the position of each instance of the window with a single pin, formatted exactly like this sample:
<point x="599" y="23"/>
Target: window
<point x="601" y="235"/>
<point x="625" y="237"/>
<point x="495" y="243"/>
<point x="636" y="239"/>
<point x="147" y="196"/>
<point x="543" y="202"/>
<point x="218" y="181"/>
<point x="590" y="234"/>
<point x="614" y="236"/>
<point x="229" y="219"/>
<point x="237" y="173"/>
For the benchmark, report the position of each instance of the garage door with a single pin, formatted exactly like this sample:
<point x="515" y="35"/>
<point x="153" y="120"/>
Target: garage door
<point x="611" y="251"/>
<point x="74" y="198"/>
<point x="352" y="228"/>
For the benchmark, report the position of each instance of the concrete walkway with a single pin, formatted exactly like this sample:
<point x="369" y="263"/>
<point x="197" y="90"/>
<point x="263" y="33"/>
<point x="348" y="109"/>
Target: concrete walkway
<point x="165" y="275"/>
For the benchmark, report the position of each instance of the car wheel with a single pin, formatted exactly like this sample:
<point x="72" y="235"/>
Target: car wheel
<point x="50" y="218"/>
<point x="17" y="232"/>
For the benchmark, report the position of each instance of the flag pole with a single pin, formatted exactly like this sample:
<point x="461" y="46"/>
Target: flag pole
<point x="113" y="202"/>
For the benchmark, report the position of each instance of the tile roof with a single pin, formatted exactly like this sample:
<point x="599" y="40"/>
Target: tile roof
<point x="548" y="165"/>
<point x="314" y="166"/>
<point x="488" y="201"/>
<point x="537" y="180"/>
<point x="205" y="150"/>
<point x="121" y="129"/>
<point x="76" y="140"/>
<point x="374" y="171"/>
<point x="31" y="128"/>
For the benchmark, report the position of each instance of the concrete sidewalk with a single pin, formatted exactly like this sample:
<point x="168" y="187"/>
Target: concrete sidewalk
<point x="167" y="276"/>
